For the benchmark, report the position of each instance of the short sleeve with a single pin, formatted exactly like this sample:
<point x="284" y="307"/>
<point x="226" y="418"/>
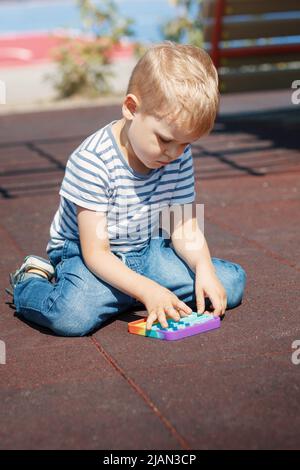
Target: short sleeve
<point x="184" y="192"/>
<point x="86" y="181"/>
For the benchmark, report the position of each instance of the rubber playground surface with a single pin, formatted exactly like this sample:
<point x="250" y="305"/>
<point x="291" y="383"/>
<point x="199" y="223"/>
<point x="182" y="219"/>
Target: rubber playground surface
<point x="236" y="387"/>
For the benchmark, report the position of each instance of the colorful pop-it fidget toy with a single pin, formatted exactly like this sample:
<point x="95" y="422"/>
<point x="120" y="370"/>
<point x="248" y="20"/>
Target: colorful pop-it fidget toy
<point x="187" y="326"/>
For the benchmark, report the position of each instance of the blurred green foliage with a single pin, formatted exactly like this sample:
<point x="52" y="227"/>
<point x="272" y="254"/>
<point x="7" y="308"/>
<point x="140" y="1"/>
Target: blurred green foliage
<point x="83" y="63"/>
<point x="187" y="26"/>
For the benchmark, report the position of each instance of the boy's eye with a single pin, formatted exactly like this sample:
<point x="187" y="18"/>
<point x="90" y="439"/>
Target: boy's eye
<point x="165" y="141"/>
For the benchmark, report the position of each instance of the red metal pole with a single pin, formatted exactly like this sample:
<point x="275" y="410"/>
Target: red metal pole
<point x="217" y="31"/>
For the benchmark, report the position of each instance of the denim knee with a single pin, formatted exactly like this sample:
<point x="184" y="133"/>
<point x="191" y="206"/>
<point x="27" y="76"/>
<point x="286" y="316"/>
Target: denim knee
<point x="238" y="283"/>
<point x="69" y="315"/>
<point x="66" y="329"/>
<point x="74" y="325"/>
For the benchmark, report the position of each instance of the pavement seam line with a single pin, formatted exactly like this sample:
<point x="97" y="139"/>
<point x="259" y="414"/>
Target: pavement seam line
<point x="250" y="242"/>
<point x="184" y="444"/>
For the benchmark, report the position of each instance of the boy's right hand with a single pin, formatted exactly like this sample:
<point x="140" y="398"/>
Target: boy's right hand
<point x="161" y="303"/>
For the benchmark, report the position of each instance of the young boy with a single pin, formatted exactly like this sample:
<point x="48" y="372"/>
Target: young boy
<point x="101" y="263"/>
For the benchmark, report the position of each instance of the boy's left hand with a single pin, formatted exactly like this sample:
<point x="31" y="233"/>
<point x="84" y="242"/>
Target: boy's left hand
<point x="208" y="285"/>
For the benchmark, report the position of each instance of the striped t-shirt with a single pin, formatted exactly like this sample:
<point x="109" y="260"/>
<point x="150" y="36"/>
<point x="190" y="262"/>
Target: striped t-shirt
<point x="98" y="177"/>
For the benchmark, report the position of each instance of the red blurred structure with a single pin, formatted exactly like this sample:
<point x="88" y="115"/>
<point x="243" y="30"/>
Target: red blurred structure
<point x="221" y="25"/>
<point x="30" y="49"/>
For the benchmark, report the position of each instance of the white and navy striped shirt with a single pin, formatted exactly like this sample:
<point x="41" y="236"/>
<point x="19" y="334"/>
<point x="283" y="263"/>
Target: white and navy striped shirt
<point x="98" y="177"/>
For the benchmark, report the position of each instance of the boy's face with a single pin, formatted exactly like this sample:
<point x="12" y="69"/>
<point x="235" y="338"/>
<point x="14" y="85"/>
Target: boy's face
<point x="155" y="142"/>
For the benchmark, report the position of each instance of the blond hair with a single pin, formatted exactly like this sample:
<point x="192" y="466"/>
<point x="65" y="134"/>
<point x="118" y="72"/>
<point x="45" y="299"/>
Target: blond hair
<point x="178" y="82"/>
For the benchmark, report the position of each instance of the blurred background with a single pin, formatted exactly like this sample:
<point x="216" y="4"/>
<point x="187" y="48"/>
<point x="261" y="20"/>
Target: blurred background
<point x="113" y="33"/>
<point x="85" y="49"/>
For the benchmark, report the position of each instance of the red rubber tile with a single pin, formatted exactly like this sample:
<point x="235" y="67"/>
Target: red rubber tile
<point x="29" y="229"/>
<point x="55" y="125"/>
<point x="258" y="189"/>
<point x="234" y="404"/>
<point x="103" y="413"/>
<point x="272" y="225"/>
<point x="231" y="388"/>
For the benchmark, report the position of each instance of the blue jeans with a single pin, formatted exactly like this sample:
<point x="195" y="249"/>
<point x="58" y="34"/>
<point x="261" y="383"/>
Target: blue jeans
<point x="79" y="302"/>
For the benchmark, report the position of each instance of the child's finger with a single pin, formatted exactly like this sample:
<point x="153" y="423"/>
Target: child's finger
<point x="180" y="305"/>
<point x="172" y="313"/>
<point x="151" y="318"/>
<point x="162" y="319"/>
<point x="200" y="301"/>
<point x="183" y="314"/>
<point x="217" y="307"/>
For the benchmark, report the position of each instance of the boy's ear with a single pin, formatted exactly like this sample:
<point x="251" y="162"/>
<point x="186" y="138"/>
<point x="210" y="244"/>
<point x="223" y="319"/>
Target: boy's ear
<point x="130" y="106"/>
